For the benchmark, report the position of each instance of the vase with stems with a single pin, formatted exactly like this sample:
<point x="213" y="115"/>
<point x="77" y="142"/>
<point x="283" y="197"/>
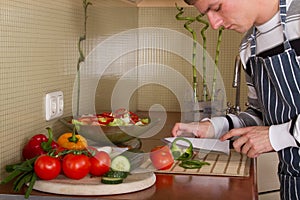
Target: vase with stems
<point x="203" y="105"/>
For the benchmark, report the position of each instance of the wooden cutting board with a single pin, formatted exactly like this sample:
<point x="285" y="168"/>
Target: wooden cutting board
<point x="93" y="185"/>
<point x="234" y="164"/>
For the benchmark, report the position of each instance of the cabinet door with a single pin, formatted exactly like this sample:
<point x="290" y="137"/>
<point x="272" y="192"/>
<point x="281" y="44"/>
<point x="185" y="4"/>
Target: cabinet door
<point x="267" y="179"/>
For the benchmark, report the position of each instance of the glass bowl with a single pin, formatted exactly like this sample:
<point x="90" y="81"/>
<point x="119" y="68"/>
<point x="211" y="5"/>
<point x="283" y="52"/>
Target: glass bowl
<point x="110" y="135"/>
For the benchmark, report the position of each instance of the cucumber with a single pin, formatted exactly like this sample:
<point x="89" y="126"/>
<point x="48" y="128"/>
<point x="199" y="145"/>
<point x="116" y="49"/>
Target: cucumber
<point x="128" y="160"/>
<point x="116" y="174"/>
<point x="135" y="156"/>
<point x="120" y="163"/>
<point x="108" y="180"/>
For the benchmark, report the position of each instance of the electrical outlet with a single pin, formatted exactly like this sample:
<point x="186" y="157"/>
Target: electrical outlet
<point x="54" y="105"/>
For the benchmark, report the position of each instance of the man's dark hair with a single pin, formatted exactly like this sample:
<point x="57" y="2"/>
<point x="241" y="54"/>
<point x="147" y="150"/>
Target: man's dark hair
<point x="190" y="2"/>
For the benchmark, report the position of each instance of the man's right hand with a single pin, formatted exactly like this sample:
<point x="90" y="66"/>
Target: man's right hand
<point x="202" y="129"/>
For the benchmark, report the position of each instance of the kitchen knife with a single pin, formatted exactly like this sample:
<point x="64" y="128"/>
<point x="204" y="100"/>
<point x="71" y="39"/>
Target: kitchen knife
<point x="203" y="144"/>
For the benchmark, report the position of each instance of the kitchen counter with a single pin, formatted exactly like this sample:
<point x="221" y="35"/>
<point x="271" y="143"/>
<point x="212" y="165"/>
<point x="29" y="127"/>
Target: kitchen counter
<point x="172" y="186"/>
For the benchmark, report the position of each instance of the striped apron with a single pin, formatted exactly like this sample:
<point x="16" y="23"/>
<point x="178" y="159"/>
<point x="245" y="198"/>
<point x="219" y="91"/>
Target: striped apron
<point x="277" y="82"/>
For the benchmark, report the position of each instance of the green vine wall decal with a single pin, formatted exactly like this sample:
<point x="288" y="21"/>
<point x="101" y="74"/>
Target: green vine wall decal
<point x="85" y="4"/>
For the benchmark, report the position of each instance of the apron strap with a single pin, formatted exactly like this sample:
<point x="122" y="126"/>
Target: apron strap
<point x="282" y="9"/>
<point x="286" y="43"/>
<point x="252" y="39"/>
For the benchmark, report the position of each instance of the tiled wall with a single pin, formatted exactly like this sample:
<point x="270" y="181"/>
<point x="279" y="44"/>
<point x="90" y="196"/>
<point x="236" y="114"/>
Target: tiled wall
<point x="164" y="17"/>
<point x="38" y="46"/>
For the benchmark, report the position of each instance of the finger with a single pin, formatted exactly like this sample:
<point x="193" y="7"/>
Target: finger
<point x="175" y="130"/>
<point x="226" y="136"/>
<point x="180" y="128"/>
<point x="179" y="133"/>
<point x="246" y="148"/>
<point x="252" y="153"/>
<point x="238" y="143"/>
<point x="232" y="133"/>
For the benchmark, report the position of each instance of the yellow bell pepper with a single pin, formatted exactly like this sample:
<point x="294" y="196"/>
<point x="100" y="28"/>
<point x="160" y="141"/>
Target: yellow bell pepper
<point x="72" y="141"/>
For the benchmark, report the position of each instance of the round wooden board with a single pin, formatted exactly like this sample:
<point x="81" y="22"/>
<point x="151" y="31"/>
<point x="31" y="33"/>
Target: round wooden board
<point x="93" y="186"/>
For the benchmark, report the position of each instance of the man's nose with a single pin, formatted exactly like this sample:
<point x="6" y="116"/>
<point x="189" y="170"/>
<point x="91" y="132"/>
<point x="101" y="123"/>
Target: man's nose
<point x="214" y="19"/>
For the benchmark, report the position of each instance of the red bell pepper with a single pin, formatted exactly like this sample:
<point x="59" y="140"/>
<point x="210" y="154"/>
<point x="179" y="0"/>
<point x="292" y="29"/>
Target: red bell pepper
<point x="39" y="144"/>
<point x="134" y="117"/>
<point x="105" y="118"/>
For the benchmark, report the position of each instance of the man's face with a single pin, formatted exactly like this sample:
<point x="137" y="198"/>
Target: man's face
<point x="238" y="15"/>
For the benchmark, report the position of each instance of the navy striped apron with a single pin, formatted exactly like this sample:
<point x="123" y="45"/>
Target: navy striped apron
<point x="277" y="82"/>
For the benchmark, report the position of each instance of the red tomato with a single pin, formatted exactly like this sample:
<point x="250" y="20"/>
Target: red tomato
<point x="76" y="166"/>
<point x="100" y="163"/>
<point x="47" y="167"/>
<point x="161" y="157"/>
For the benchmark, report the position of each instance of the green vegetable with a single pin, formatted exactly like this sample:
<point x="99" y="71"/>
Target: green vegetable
<point x="192" y="164"/>
<point x="120" y="163"/>
<point x="179" y="152"/>
<point x="135" y="156"/>
<point x="117" y="122"/>
<point x="184" y="155"/>
<point x="21" y="173"/>
<point x="128" y="160"/>
<point x="121" y="166"/>
<point x="108" y="180"/>
<point x="116" y="174"/>
<point x="145" y="120"/>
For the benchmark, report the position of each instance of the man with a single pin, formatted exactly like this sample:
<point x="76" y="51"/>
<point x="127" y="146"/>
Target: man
<point x="270" y="52"/>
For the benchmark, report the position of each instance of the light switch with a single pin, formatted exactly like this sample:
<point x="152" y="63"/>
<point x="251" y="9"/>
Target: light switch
<point x="54" y="105"/>
<point x="60" y="104"/>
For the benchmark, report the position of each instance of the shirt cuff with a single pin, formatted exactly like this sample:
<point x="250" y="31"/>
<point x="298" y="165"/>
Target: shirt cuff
<point x="280" y="137"/>
<point x="220" y="125"/>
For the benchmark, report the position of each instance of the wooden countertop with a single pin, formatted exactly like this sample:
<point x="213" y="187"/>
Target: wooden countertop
<point x="174" y="187"/>
<point x="177" y="186"/>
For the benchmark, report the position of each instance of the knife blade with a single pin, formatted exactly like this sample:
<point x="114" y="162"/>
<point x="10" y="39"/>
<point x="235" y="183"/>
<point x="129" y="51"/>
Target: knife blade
<point x="205" y="144"/>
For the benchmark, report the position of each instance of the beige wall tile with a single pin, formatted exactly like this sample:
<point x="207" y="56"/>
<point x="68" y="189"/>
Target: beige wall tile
<point x="38" y="46"/>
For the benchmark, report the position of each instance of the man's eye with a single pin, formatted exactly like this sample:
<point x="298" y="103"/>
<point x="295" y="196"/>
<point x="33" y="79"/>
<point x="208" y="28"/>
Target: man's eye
<point x="218" y="8"/>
